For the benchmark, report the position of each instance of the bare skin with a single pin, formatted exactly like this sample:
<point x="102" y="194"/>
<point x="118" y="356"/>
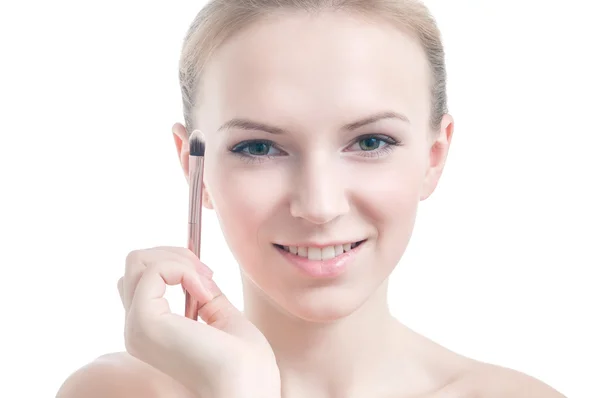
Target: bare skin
<point x="332" y="338"/>
<point x="121" y="375"/>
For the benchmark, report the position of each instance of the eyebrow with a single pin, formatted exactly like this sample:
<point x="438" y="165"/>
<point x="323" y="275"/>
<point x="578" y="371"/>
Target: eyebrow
<point x="246" y="124"/>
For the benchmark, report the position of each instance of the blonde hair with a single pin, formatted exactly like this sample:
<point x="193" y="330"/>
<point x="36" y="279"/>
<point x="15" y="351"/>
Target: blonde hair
<point x="220" y="19"/>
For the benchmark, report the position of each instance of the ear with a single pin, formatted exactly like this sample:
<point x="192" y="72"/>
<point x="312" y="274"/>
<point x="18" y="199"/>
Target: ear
<point x="438" y="154"/>
<point x="182" y="146"/>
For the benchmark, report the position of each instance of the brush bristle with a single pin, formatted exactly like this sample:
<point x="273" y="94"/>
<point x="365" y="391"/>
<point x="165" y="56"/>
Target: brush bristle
<point x="196" y="144"/>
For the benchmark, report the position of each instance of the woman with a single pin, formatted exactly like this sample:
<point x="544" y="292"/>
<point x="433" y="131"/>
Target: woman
<point x="326" y="124"/>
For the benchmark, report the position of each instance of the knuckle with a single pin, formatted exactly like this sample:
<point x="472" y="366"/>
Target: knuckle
<point x="134" y="256"/>
<point x="185" y="254"/>
<point x="188" y="252"/>
<point x="166" y="248"/>
<point x="154" y="266"/>
<point x="175" y="250"/>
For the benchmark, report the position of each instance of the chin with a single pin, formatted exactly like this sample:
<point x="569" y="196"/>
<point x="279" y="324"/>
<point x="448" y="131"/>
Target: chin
<point x="317" y="300"/>
<point x="323" y="304"/>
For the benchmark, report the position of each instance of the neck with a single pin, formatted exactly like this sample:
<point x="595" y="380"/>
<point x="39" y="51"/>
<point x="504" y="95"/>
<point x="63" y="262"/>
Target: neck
<point x="324" y="356"/>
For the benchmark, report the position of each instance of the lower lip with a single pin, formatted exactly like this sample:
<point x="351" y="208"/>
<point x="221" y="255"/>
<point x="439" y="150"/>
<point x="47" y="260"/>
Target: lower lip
<point x="322" y="268"/>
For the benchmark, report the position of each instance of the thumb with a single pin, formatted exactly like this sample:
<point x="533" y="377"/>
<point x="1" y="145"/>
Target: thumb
<point x="219" y="312"/>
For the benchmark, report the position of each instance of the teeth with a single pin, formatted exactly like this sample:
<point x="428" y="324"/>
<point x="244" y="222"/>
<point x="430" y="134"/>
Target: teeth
<point x="328" y="252"/>
<point x="314" y="253"/>
<point x="318" y="254"/>
<point x="303" y="251"/>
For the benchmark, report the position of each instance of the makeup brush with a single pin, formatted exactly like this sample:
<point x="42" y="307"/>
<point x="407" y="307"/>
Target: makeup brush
<point x="196" y="174"/>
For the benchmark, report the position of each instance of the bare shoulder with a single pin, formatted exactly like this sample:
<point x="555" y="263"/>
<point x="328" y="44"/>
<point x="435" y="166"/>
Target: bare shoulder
<point x="491" y="381"/>
<point x="120" y="375"/>
<point x="458" y="376"/>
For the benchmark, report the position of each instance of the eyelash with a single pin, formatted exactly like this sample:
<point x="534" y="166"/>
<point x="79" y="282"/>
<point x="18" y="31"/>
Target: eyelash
<point x="239" y="149"/>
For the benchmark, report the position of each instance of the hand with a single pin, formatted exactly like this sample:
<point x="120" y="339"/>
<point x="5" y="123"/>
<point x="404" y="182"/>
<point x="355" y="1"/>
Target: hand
<point x="226" y="357"/>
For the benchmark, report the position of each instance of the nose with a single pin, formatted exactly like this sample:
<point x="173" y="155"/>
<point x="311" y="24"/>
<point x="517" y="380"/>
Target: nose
<point x="320" y="192"/>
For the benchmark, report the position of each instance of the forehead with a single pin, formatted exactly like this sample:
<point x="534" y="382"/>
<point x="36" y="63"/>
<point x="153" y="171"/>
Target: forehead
<point x="319" y="68"/>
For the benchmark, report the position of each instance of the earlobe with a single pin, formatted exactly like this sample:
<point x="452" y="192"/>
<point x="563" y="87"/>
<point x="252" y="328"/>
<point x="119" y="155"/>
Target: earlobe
<point x="432" y="175"/>
<point x="437" y="157"/>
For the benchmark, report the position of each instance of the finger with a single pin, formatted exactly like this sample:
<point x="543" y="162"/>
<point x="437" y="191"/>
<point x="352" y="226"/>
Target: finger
<point x="151" y="255"/>
<point x="138" y="260"/>
<point x="120" y="289"/>
<point x="188" y="254"/>
<point x="202" y="270"/>
<point x="220" y="313"/>
<point x="134" y="268"/>
<point x="149" y="298"/>
<point x="155" y="335"/>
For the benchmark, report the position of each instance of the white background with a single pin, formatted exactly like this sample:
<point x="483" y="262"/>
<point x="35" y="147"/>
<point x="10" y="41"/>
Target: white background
<point x="503" y="263"/>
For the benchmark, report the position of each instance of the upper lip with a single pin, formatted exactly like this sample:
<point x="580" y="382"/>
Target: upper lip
<point x="321" y="245"/>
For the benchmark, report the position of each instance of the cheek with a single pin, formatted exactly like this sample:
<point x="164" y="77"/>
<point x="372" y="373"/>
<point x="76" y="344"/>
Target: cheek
<point x="245" y="202"/>
<point x="397" y="214"/>
<point x="390" y="190"/>
<point x="389" y="199"/>
<point x="400" y="198"/>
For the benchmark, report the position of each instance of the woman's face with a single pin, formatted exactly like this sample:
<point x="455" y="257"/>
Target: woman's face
<point x="317" y="136"/>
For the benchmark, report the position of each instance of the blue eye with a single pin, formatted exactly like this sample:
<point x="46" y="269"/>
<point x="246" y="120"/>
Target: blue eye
<point x="253" y="148"/>
<point x="256" y="150"/>
<point x="366" y="145"/>
<point x="373" y="145"/>
<point x="370" y="144"/>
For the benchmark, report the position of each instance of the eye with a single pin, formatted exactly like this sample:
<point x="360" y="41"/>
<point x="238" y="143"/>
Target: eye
<point x="370" y="144"/>
<point x="258" y="148"/>
<point x="373" y="145"/>
<point x="255" y="149"/>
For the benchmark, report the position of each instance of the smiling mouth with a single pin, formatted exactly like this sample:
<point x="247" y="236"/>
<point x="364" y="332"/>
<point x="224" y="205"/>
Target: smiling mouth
<point x="320" y="253"/>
